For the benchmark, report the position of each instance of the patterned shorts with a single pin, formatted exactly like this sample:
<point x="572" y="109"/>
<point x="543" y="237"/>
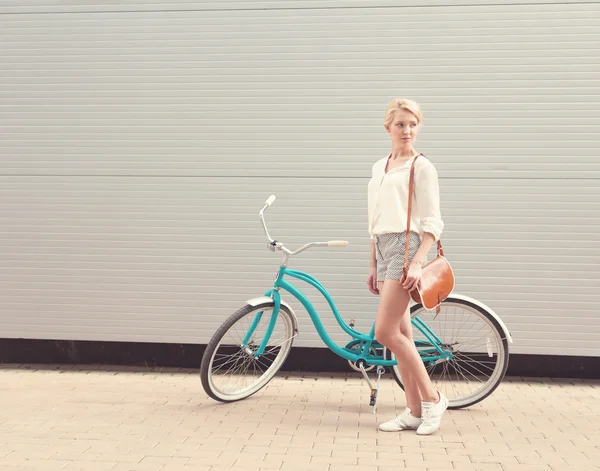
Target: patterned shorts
<point x="390" y="254"/>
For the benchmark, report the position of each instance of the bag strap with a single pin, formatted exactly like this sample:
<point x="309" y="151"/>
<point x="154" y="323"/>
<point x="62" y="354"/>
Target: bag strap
<point x="411" y="186"/>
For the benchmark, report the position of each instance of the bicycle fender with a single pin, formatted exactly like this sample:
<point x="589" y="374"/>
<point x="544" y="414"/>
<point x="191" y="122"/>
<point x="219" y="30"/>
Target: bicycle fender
<point x="267" y="300"/>
<point x="487" y="308"/>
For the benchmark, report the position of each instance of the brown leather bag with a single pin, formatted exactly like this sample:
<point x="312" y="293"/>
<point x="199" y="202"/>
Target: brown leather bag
<point x="437" y="281"/>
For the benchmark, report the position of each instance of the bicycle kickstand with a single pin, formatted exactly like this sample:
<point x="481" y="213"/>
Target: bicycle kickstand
<point x="374" y="390"/>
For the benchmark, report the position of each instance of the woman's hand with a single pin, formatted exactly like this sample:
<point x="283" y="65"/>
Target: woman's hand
<point x="412" y="279"/>
<point x="372" y="281"/>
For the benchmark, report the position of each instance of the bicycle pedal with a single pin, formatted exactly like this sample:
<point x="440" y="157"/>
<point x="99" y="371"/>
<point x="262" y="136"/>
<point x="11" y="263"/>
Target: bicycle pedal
<point x="373" y="398"/>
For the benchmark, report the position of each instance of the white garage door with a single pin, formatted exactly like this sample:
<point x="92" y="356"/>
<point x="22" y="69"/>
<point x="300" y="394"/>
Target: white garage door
<point x="139" y="139"/>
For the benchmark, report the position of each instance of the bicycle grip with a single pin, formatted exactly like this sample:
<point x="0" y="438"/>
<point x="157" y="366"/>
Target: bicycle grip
<point x="270" y="200"/>
<point x="338" y="243"/>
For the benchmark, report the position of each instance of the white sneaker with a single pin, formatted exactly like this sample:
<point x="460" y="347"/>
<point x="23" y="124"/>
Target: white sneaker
<point x="405" y="421"/>
<point x="431" y="415"/>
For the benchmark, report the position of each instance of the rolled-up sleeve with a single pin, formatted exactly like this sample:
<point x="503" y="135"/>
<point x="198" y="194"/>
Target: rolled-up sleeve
<point x="427" y="192"/>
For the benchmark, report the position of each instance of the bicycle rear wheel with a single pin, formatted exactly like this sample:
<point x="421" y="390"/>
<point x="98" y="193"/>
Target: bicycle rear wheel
<point x="479" y="350"/>
<point x="230" y="369"/>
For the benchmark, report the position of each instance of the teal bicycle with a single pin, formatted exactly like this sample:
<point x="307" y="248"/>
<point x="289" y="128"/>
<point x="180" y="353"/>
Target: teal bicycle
<point x="464" y="347"/>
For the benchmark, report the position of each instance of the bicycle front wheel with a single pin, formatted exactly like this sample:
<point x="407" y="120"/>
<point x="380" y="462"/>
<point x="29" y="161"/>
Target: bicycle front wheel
<point x="231" y="367"/>
<point x="478" y="347"/>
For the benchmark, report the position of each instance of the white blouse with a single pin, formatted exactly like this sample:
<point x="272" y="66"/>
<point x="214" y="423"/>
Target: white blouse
<point x="388" y="199"/>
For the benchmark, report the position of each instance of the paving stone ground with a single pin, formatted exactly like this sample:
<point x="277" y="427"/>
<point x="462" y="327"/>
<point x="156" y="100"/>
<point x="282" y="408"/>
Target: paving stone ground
<point x="127" y="419"/>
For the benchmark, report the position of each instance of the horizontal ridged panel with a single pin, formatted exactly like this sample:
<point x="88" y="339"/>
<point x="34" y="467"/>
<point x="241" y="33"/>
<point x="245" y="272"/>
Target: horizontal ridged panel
<point x="162" y="92"/>
<point x="241" y="6"/>
<point x="167" y="259"/>
<point x="138" y="144"/>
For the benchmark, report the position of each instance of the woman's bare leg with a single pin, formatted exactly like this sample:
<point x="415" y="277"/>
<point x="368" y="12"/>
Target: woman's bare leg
<point x="392" y="315"/>
<point x="411" y="389"/>
<point x="408" y="380"/>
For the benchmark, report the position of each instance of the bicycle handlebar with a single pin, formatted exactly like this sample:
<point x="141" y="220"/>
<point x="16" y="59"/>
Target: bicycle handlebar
<point x="338" y="243"/>
<point x="270" y="200"/>
<point x="274" y="245"/>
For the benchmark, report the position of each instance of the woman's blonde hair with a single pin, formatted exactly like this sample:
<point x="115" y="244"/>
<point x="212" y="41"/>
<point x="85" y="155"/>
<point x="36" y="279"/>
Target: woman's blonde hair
<point x="402" y="104"/>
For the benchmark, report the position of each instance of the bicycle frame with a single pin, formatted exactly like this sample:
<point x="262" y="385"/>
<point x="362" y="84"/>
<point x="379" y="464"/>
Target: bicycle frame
<point x="366" y="342"/>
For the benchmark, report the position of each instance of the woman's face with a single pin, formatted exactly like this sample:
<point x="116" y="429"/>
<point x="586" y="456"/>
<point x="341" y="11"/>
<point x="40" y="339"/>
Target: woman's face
<point x="404" y="128"/>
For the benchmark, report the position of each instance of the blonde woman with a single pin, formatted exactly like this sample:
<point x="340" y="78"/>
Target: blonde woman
<point x="388" y="211"/>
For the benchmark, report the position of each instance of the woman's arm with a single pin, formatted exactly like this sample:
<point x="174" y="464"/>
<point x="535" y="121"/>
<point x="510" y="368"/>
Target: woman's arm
<point x="421" y="255"/>
<point x="373" y="264"/>
<point x="427" y="192"/>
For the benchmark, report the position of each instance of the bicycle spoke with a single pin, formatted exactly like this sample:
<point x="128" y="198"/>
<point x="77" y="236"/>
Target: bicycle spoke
<point x="474" y="362"/>
<point x="282" y="343"/>
<point x="233" y="361"/>
<point x="471" y="363"/>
